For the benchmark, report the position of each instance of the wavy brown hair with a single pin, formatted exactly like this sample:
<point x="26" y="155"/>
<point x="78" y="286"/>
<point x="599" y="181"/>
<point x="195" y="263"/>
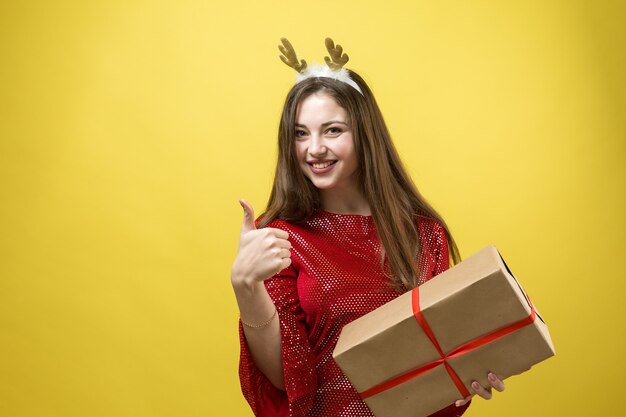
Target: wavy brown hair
<point x="392" y="196"/>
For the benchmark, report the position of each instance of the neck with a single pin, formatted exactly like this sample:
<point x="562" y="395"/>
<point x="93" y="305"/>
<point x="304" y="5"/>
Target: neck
<point x="344" y="202"/>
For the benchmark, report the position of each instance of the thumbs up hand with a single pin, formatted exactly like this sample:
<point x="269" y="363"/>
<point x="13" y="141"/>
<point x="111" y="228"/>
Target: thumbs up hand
<point x="262" y="252"/>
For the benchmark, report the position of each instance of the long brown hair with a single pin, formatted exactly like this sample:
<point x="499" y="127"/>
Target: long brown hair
<point x="391" y="194"/>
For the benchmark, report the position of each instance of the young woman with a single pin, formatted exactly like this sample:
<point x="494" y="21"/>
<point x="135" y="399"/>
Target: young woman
<point x="344" y="232"/>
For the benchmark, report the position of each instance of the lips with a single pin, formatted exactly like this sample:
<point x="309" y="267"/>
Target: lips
<point x="320" y="167"/>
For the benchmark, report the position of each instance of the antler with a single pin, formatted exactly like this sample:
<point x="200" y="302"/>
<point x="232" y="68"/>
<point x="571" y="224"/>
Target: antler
<point x="335" y="51"/>
<point x="289" y="56"/>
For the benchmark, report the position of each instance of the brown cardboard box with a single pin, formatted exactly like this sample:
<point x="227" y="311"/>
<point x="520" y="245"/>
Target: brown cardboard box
<point x="474" y="298"/>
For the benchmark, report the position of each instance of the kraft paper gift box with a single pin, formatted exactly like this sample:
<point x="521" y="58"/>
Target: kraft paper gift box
<point x="476" y="312"/>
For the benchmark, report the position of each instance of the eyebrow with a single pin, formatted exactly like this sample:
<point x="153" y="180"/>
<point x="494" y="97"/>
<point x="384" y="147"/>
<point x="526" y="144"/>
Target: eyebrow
<point x="326" y="123"/>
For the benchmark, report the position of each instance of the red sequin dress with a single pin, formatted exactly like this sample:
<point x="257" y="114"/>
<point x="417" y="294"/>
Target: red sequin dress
<point x="335" y="277"/>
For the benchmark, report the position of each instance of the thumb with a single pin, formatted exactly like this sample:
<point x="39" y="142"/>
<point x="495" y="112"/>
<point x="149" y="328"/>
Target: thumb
<point x="248" y="216"/>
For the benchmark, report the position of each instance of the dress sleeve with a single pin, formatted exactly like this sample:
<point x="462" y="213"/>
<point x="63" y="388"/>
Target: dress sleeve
<point x="298" y="360"/>
<point x="442" y="257"/>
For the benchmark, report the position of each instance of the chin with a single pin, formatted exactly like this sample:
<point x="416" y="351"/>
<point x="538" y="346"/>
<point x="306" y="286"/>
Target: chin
<point x="321" y="186"/>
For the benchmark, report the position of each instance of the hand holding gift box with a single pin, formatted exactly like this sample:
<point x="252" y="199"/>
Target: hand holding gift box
<point x="486" y="393"/>
<point x="421" y="351"/>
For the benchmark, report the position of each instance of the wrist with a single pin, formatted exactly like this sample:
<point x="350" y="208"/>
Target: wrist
<point x="243" y="282"/>
<point x="260" y="325"/>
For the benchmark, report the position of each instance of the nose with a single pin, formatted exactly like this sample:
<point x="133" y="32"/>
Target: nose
<point x="316" y="146"/>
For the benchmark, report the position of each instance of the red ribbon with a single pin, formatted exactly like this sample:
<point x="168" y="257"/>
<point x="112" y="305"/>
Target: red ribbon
<point x="460" y="350"/>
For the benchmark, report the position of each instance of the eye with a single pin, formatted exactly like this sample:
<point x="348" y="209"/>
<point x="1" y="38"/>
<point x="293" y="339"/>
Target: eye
<point x="334" y="130"/>
<point x="300" y="133"/>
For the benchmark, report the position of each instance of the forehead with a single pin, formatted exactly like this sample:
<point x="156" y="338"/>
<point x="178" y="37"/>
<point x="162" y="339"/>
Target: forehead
<point x="319" y="107"/>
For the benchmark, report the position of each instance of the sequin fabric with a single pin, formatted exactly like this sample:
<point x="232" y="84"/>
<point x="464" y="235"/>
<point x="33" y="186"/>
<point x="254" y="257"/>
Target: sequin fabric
<point x="335" y="277"/>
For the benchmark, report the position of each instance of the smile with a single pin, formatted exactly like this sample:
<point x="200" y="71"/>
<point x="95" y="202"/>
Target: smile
<point x="321" y="165"/>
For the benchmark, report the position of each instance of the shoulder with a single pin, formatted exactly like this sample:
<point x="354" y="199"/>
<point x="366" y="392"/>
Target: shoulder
<point x="432" y="234"/>
<point x="434" y="242"/>
<point x="309" y="224"/>
<point x="296" y="231"/>
<point x="429" y="227"/>
<point x="278" y="224"/>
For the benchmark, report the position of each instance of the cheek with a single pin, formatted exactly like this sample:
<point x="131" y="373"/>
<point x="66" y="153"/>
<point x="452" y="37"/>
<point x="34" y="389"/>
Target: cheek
<point x="300" y="151"/>
<point x="301" y="157"/>
<point x="348" y="152"/>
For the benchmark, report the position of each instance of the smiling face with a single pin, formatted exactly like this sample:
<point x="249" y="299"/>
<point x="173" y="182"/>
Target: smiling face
<point x="325" y="146"/>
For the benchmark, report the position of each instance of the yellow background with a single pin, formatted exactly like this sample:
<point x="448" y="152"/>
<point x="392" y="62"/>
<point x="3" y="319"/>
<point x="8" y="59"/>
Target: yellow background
<point x="129" y="129"/>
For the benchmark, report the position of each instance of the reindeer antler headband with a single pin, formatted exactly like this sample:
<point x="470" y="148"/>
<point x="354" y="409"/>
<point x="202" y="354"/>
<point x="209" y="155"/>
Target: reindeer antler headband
<point x="333" y="69"/>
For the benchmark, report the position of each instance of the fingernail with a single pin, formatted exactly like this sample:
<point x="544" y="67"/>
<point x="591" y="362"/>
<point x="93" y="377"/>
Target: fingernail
<point x="491" y="377"/>
<point x="475" y="385"/>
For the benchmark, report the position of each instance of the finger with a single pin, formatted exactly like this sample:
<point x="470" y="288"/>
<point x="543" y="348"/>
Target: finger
<point x="283" y="243"/>
<point x="284" y="253"/>
<point x="461" y="403"/>
<point x="478" y="389"/>
<point x="285" y="263"/>
<point x="279" y="233"/>
<point x="248" y="216"/>
<point x="495" y="382"/>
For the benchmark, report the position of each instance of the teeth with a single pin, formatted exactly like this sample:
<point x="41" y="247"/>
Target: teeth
<point x="322" y="165"/>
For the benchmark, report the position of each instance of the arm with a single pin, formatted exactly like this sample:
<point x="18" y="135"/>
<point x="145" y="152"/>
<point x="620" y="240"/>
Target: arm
<point x="264" y="341"/>
<point x="262" y="253"/>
